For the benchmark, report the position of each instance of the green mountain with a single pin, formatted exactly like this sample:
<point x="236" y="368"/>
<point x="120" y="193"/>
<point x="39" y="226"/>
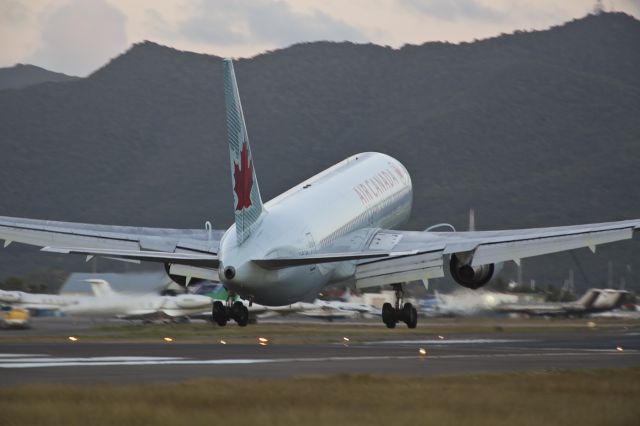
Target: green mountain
<point x="20" y="75"/>
<point x="530" y="129"/>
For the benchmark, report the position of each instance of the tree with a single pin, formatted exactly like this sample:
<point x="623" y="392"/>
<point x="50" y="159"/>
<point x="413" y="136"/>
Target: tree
<point x="12" y="284"/>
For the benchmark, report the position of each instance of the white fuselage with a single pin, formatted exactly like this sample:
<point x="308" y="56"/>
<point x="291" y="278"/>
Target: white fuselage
<point x="38" y="301"/>
<point x="117" y="304"/>
<point x="368" y="190"/>
<point x="139" y="306"/>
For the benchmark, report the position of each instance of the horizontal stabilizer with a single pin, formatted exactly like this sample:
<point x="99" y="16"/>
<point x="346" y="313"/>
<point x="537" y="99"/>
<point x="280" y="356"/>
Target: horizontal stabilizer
<point x="195" y="259"/>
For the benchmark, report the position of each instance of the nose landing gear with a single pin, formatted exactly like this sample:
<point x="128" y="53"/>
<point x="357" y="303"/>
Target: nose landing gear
<point x="404" y="312"/>
<point x="222" y="313"/>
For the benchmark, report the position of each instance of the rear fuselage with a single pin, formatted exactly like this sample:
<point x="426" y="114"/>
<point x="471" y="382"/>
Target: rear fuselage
<point x="368" y="190"/>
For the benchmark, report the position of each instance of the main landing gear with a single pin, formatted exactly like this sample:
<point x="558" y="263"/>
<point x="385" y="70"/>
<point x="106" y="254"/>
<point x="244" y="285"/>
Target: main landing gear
<point x="405" y="312"/>
<point x="222" y="313"/>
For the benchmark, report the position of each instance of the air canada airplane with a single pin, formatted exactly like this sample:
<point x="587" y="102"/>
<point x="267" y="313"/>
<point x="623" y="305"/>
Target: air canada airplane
<point x="336" y="227"/>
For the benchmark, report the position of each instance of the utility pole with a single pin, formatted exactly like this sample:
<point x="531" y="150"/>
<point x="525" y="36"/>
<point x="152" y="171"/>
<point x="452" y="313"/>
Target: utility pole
<point x="520" y="282"/>
<point x="472" y="220"/>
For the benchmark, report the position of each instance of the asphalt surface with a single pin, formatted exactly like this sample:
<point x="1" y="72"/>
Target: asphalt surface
<point x="92" y="363"/>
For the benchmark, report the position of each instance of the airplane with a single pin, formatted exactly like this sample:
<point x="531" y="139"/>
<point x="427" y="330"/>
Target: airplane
<point x="37" y="300"/>
<point x="593" y="301"/>
<point x="464" y="303"/>
<point x="344" y="306"/>
<point x="108" y="303"/>
<point x="329" y="313"/>
<point x="339" y="226"/>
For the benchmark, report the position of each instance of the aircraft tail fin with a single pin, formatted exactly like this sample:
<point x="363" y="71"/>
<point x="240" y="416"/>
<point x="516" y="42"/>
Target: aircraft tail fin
<point x="587" y="300"/>
<point x="101" y="288"/>
<point x="247" y="200"/>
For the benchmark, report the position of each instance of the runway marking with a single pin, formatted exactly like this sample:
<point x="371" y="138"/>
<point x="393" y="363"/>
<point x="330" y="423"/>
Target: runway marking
<point x="141" y="361"/>
<point x="18" y="355"/>
<point x="445" y="342"/>
<point x="91" y="359"/>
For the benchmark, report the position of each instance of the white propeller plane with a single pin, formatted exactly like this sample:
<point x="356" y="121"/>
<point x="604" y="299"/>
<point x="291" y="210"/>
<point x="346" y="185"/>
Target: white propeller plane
<point x="337" y="226"/>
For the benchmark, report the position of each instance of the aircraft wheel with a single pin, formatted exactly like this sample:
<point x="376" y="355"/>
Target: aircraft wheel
<point x="410" y="315"/>
<point x="240" y="314"/>
<point x="388" y="315"/>
<point x="219" y="314"/>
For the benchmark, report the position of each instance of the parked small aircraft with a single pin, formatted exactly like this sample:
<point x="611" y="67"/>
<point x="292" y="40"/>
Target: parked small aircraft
<point x="108" y="303"/>
<point x="593" y="301"/>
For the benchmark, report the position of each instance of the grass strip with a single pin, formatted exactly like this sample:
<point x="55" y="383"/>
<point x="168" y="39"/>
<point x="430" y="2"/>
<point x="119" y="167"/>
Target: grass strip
<point x="592" y="397"/>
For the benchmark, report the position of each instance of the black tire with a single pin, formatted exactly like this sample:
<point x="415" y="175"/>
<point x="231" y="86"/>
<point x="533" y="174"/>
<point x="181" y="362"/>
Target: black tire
<point x="388" y="315"/>
<point x="240" y="314"/>
<point x="414" y="323"/>
<point x="410" y="315"/>
<point x="219" y="314"/>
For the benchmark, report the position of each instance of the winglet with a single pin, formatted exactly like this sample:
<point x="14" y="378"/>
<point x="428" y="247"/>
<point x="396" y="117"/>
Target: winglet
<point x="246" y="194"/>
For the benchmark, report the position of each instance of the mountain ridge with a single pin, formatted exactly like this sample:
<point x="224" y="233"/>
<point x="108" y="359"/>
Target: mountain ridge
<point x="23" y="75"/>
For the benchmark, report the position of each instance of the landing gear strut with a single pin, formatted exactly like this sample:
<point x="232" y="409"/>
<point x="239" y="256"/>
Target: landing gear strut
<point x="222" y="313"/>
<point x="404" y="312"/>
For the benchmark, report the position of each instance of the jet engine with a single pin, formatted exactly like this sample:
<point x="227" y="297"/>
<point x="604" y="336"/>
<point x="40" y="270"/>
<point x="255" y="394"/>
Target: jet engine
<point x="472" y="277"/>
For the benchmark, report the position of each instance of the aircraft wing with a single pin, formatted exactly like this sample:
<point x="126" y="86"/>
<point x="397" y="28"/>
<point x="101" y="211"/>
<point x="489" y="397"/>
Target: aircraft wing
<point x="389" y="256"/>
<point x="195" y="247"/>
<point x="481" y="247"/>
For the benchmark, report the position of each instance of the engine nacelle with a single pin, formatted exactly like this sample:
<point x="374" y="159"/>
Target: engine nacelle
<point x="472" y="277"/>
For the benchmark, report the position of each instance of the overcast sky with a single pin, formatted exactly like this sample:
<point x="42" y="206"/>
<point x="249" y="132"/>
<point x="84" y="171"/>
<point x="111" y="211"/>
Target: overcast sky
<point x="78" y="36"/>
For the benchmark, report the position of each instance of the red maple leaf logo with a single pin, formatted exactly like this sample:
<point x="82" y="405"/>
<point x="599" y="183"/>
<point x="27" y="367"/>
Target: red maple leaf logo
<point x="243" y="179"/>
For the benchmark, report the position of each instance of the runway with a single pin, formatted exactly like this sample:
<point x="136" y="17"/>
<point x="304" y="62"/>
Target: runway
<point x="169" y="362"/>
